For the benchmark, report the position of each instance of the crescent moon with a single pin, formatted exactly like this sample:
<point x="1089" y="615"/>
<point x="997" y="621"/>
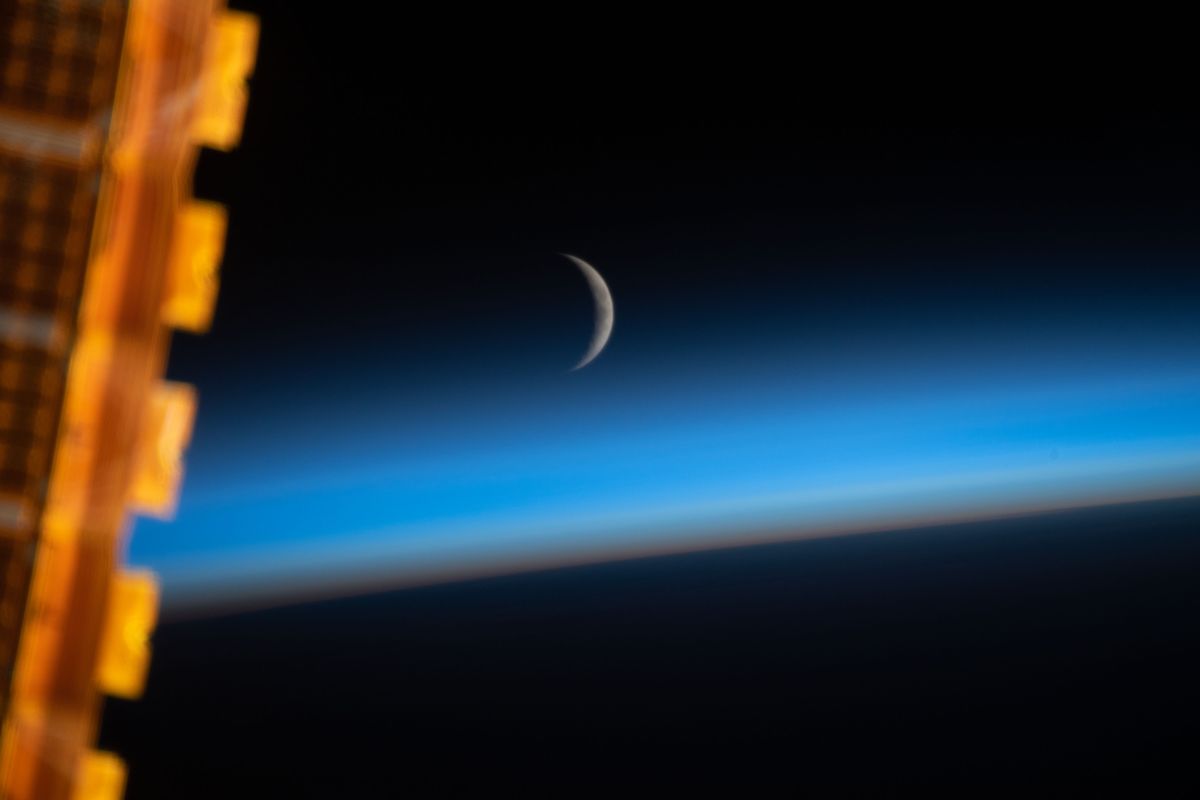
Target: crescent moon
<point x="604" y="310"/>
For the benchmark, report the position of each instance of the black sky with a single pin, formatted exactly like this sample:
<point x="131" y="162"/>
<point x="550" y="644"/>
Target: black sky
<point x="396" y="204"/>
<point x="413" y="179"/>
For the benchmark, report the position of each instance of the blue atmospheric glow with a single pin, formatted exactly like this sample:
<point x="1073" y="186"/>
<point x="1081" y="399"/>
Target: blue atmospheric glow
<point x="620" y="458"/>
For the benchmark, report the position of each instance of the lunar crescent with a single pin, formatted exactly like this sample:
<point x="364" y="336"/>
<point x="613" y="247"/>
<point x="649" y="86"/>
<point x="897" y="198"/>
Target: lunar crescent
<point x="604" y="310"/>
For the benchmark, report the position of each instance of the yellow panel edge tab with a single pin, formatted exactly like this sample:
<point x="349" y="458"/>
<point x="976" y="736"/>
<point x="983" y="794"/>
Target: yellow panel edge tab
<point x="125" y="641"/>
<point x="158" y="465"/>
<point x="218" y="120"/>
<point x="196" y="249"/>
<point x="101" y="777"/>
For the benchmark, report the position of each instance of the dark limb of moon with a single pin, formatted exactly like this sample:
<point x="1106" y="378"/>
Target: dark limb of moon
<point x="604" y="310"/>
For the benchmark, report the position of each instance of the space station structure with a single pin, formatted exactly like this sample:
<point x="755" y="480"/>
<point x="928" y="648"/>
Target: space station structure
<point x="103" y="252"/>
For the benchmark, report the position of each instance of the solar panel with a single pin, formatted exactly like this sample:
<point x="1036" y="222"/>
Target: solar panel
<point x="102" y="249"/>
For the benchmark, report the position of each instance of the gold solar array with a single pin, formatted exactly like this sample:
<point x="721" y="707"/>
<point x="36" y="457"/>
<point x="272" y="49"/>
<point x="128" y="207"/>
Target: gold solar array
<point x="45" y="216"/>
<point x="102" y="250"/>
<point x="60" y="57"/>
<point x="59" y="68"/>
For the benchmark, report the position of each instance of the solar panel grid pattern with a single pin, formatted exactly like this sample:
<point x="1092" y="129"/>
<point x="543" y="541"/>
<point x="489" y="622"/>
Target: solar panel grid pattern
<point x="59" y="57"/>
<point x="58" y="71"/>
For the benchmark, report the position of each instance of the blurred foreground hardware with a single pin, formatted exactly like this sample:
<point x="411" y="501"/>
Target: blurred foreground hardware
<point x="103" y="104"/>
